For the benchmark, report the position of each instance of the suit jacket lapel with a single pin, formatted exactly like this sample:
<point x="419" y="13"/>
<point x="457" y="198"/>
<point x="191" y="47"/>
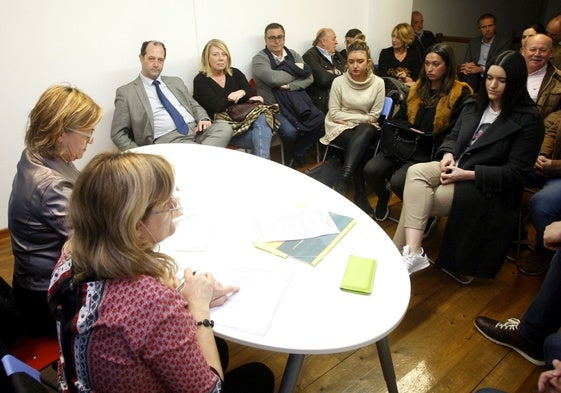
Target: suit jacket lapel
<point x="178" y="94"/>
<point x="143" y="97"/>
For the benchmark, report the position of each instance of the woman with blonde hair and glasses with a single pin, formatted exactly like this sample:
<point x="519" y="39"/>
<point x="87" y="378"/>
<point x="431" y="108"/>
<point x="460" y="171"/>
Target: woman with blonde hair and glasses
<point x="219" y="85"/>
<point x="400" y="60"/>
<point x="60" y="128"/>
<point x="123" y="321"/>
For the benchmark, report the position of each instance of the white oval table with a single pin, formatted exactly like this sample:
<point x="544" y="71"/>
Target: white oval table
<point x="284" y="305"/>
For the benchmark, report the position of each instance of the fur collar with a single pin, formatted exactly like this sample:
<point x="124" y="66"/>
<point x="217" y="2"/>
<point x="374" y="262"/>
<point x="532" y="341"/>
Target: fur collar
<point x="444" y="106"/>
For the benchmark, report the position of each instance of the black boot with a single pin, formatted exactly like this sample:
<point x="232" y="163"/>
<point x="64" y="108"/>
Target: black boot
<point x="342" y="183"/>
<point x="361" y="200"/>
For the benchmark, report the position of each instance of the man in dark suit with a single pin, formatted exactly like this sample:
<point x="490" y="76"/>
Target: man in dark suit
<point x="423" y="38"/>
<point x="481" y="50"/>
<point x="142" y="117"/>
<point x="326" y="64"/>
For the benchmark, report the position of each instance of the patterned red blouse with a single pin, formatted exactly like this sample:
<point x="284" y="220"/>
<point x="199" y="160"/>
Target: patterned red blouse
<point x="126" y="336"/>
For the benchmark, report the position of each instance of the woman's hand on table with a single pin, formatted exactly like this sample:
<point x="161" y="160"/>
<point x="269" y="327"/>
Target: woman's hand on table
<point x="222" y="293"/>
<point x="198" y="289"/>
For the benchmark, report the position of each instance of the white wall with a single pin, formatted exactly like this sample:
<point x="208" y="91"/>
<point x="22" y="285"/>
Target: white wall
<point x="95" y="45"/>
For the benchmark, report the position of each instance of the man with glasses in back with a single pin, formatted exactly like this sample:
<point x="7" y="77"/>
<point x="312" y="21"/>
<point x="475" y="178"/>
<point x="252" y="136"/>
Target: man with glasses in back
<point x="281" y="76"/>
<point x="544" y="87"/>
<point x="159" y="109"/>
<point x="554" y="32"/>
<point x="481" y="50"/>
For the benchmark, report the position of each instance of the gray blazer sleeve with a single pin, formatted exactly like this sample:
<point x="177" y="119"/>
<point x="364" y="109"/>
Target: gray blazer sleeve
<point x="121" y="126"/>
<point x="472" y="51"/>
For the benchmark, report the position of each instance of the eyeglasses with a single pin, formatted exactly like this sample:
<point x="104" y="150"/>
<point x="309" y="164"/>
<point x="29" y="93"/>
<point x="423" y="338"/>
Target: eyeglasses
<point x="89" y="136"/>
<point x="275" y="37"/>
<point x="174" y="206"/>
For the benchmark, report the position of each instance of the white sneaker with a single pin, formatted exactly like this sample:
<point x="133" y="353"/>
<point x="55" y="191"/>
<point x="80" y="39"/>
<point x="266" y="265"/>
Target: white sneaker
<point x="414" y="262"/>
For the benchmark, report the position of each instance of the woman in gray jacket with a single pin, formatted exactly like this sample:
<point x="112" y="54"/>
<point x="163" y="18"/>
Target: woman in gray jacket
<point x="61" y="127"/>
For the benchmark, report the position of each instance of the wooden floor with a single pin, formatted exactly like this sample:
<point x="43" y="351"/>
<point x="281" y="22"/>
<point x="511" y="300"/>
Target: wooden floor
<point x="434" y="349"/>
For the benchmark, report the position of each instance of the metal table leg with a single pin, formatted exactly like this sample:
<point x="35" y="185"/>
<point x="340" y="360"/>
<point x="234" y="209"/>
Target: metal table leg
<point x="291" y="373"/>
<point x="387" y="365"/>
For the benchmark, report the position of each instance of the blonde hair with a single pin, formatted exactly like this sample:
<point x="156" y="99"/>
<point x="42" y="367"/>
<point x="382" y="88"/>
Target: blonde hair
<point x="360" y="45"/>
<point x="112" y="197"/>
<point x="404" y="31"/>
<point x="205" y="64"/>
<point x="59" y="107"/>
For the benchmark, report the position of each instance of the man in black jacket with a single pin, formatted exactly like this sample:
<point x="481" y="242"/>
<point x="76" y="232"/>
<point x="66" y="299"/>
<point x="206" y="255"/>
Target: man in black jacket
<point x="326" y="64"/>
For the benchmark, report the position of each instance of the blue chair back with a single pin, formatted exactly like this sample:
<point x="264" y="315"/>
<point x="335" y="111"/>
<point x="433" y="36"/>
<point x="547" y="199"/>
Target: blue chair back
<point x="386" y="111"/>
<point x="14" y="365"/>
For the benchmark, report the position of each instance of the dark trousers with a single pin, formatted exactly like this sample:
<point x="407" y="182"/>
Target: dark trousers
<point x="250" y="378"/>
<point x="35" y="310"/>
<point x="296" y="143"/>
<point x="356" y="142"/>
<point x="380" y="168"/>
<point x="552" y="349"/>
<point x="543" y="317"/>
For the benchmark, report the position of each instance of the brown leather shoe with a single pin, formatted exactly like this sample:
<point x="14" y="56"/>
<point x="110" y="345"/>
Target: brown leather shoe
<point x="508" y="334"/>
<point x="534" y="263"/>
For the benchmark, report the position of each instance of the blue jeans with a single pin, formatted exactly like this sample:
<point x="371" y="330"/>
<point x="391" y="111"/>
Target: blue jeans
<point x="543" y="318"/>
<point x="545" y="205"/>
<point x="257" y="138"/>
<point x="297" y="143"/>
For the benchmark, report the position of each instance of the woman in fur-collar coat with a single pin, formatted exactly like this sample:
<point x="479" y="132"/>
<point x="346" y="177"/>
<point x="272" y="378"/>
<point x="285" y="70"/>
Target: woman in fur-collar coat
<point x="432" y="106"/>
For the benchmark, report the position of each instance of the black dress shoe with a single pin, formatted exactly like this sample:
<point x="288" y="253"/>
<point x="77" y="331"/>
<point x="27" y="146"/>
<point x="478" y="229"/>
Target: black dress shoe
<point x="382" y="206"/>
<point x="534" y="263"/>
<point x="508" y="334"/>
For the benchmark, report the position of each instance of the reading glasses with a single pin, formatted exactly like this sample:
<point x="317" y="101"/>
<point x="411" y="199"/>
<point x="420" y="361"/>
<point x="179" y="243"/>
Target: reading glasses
<point x="174" y="206"/>
<point x="87" y="135"/>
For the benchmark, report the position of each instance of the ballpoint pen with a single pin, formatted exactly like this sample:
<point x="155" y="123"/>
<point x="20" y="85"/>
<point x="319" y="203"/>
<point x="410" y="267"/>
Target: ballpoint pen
<point x="182" y="282"/>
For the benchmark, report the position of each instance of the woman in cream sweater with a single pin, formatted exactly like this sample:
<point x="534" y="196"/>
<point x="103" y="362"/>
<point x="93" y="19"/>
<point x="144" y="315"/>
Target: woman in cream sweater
<point x="355" y="102"/>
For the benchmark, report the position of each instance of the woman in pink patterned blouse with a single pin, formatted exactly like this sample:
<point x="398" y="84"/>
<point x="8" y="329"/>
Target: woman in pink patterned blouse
<point x="121" y="322"/>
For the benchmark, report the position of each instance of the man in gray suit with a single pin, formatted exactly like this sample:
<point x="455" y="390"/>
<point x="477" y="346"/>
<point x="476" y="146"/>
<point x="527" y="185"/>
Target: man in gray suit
<point x="481" y="50"/>
<point x="141" y="117"/>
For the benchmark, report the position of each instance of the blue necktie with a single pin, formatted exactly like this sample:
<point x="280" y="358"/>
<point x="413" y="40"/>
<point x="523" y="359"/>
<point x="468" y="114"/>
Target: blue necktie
<point x="174" y="113"/>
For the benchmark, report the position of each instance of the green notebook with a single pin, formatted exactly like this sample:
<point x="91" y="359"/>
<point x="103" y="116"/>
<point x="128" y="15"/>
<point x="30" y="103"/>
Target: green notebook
<point x="359" y="275"/>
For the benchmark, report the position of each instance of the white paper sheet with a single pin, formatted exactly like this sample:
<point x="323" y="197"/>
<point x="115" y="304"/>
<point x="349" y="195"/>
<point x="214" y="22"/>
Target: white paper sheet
<point x="253" y="307"/>
<point x="295" y="224"/>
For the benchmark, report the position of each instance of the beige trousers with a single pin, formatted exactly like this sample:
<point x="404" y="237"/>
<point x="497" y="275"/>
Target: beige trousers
<point x="424" y="196"/>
